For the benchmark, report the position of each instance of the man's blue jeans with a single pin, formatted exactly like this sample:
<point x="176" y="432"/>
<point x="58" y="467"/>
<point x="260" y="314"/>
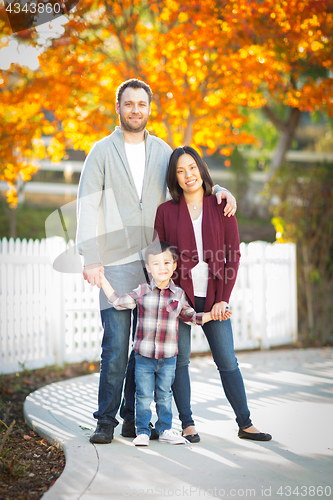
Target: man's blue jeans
<point x="115" y="343"/>
<point x="220" y="339"/>
<point x="153" y="375"/>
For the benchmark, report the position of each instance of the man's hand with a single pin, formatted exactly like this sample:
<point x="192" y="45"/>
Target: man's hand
<point x="91" y="273"/>
<point x="220" y="312"/>
<point x="231" y="206"/>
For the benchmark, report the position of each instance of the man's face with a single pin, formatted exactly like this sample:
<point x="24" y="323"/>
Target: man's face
<point x="133" y="110"/>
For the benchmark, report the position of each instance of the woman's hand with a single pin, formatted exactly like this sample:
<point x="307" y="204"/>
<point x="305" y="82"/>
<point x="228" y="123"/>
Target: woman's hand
<point x="231" y="206"/>
<point x="220" y="312"/>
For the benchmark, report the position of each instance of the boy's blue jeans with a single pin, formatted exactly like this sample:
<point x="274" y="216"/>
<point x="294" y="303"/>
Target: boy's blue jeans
<point x="153" y="375"/>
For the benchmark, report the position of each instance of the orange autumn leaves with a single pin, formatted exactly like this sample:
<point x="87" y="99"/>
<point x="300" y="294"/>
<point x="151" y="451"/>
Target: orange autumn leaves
<point x="206" y="62"/>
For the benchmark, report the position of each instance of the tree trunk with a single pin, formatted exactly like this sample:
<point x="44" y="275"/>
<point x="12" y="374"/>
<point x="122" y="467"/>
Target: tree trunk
<point x="12" y="223"/>
<point x="288" y="132"/>
<point x="308" y="290"/>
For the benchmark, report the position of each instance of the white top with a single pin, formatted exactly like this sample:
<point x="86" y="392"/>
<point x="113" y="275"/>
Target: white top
<point x="200" y="271"/>
<point x="136" y="156"/>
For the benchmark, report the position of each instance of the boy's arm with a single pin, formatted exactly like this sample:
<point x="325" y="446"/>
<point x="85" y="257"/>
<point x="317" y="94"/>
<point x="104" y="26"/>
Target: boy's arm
<point x="206" y="317"/>
<point x="190" y="316"/>
<point x="126" y="301"/>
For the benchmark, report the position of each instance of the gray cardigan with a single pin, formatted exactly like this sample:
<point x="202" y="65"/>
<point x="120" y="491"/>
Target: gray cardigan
<point x="113" y="223"/>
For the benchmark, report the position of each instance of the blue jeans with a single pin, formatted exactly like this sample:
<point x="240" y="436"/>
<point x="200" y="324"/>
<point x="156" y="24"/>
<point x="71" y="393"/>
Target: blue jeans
<point x="153" y="375"/>
<point x="115" y="343"/>
<point x="220" y="339"/>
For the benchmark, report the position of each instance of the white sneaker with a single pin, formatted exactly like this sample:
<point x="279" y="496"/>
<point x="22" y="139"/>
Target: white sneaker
<point x="141" y="440"/>
<point x="172" y="437"/>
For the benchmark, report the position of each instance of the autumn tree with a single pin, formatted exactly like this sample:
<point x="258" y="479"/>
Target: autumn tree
<point x="206" y="62"/>
<point x="292" y="41"/>
<point x="21" y="124"/>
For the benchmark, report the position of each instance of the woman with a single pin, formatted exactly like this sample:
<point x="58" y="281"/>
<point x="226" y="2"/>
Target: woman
<point x="208" y="257"/>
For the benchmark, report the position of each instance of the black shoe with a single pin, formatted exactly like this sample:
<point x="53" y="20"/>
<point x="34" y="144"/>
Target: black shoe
<point x="128" y="430"/>
<point x="192" y="438"/>
<point x="257" y="436"/>
<point x="103" y="434"/>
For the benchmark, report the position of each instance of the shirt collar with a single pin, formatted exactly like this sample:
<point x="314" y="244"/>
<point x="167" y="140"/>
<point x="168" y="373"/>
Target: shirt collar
<point x="172" y="287"/>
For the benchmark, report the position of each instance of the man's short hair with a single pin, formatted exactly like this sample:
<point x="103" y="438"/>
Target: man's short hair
<point x="158" y="247"/>
<point x="133" y="83"/>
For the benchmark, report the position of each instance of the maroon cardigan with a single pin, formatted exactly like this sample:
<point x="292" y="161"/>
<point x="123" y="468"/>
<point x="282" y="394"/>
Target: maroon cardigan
<point x="220" y="246"/>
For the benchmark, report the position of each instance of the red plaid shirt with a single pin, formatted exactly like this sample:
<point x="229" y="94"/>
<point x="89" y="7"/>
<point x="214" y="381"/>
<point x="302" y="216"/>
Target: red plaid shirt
<point x="156" y="333"/>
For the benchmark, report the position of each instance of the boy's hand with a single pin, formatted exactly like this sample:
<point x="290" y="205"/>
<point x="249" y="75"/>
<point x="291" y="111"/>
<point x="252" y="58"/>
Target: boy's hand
<point x="220" y="311"/>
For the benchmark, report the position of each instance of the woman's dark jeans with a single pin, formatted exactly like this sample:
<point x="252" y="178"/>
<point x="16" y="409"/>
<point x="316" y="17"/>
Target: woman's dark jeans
<point x="220" y="339"/>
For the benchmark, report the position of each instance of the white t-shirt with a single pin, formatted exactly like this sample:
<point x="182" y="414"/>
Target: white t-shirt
<point x="200" y="271"/>
<point x="136" y="156"/>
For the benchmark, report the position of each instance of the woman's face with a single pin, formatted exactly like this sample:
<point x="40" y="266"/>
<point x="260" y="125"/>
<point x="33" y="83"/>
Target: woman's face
<point x="188" y="174"/>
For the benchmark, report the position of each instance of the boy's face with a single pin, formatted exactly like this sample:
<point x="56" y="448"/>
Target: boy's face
<point x="161" y="267"/>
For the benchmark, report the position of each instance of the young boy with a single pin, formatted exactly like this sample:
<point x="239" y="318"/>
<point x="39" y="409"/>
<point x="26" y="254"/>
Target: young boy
<point x="156" y="339"/>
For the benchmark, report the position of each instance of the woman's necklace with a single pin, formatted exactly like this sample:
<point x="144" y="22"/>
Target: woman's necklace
<point x="195" y="205"/>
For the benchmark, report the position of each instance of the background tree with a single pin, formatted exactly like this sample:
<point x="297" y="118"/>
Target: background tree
<point x="206" y="61"/>
<point x="304" y="215"/>
<point x="21" y="124"/>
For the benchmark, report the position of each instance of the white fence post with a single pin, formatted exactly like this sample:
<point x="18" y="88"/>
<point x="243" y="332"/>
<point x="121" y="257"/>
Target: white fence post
<point x="57" y="304"/>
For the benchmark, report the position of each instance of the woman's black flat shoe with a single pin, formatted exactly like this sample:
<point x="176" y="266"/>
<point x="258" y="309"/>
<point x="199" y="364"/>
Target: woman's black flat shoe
<point x="192" y="438"/>
<point x="258" y="436"/>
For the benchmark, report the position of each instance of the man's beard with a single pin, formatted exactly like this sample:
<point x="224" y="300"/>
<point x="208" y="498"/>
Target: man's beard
<point x="127" y="127"/>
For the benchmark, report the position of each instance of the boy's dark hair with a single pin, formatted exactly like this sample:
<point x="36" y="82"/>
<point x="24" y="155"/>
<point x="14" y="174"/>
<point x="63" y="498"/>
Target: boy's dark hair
<point x="158" y="247"/>
<point x="134" y="83"/>
<point x="174" y="188"/>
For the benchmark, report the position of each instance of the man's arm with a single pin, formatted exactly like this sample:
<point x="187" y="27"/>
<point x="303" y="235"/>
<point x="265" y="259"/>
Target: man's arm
<point x="88" y="202"/>
<point x="222" y="193"/>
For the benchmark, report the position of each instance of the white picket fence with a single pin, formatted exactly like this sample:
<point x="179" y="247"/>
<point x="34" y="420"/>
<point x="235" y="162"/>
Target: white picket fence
<point x="48" y="317"/>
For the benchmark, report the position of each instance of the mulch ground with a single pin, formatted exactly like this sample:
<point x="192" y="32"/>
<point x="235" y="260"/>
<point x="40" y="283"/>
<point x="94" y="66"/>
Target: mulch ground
<point x="29" y="465"/>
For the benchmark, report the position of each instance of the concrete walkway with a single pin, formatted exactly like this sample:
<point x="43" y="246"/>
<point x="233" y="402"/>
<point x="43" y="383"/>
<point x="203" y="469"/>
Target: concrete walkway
<point x="290" y="395"/>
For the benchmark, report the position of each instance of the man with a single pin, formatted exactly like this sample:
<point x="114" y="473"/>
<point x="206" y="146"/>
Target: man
<point x="123" y="181"/>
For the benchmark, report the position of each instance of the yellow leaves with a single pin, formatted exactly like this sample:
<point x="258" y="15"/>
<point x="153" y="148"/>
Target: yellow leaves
<point x="226" y="151"/>
<point x="183" y="17"/>
<point x="183" y="66"/>
<point x="70" y="126"/>
<point x="315" y="46"/>
<point x="38" y="148"/>
<point x="48" y="129"/>
<point x="56" y="150"/>
<point x="12" y="198"/>
<point x="211" y="144"/>
<point x="27" y="172"/>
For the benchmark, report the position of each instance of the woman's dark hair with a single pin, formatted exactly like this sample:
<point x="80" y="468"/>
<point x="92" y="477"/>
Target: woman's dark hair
<point x="173" y="186"/>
